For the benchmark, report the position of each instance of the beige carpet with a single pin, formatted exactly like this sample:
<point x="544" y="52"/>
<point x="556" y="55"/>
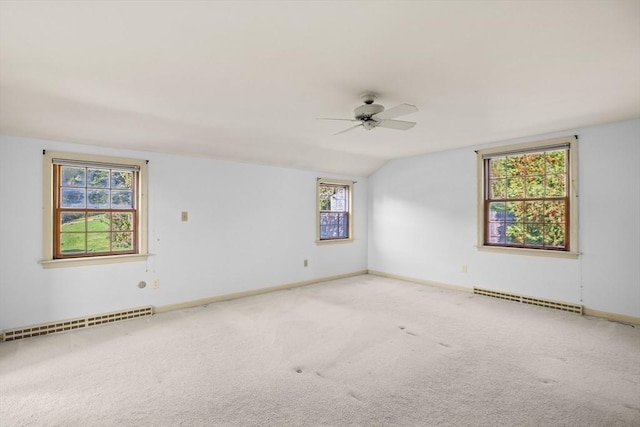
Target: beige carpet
<point x="365" y="351"/>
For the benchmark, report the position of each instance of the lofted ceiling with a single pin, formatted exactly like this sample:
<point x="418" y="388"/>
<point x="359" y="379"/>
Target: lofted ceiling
<point x="246" y="80"/>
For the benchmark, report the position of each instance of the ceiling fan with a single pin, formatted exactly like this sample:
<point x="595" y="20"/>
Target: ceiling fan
<point x="370" y="115"/>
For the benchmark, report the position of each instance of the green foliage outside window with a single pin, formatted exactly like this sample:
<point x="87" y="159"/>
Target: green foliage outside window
<point x="528" y="199"/>
<point x="325" y="197"/>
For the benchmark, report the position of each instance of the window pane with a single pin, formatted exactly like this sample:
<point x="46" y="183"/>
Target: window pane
<point x="72" y="243"/>
<point x="122" y="241"/>
<point x="554" y="212"/>
<point x="338" y="203"/>
<point x="497" y="211"/>
<point x="533" y="234"/>
<point x="121" y="179"/>
<point x="98" y="242"/>
<point x="498" y="189"/>
<point x="556" y="161"/>
<point x="556" y="185"/>
<point x="535" y="186"/>
<point x="497" y="232"/>
<point x="340" y="193"/>
<point x="498" y="168"/>
<point x="121" y="199"/>
<point x="73" y="198"/>
<point x="325" y="197"/>
<point x="515" y="222"/>
<point x="99" y="221"/>
<point x="72" y="176"/>
<point x="515" y="188"/>
<point x="515" y="166"/>
<point x="496" y="222"/>
<point x="98" y="178"/>
<point x="554" y="235"/>
<point x="534" y="211"/>
<point x="333" y="198"/>
<point x="122" y="221"/>
<point x="515" y="233"/>
<point x="333" y="225"/>
<point x="72" y="222"/>
<point x="97" y="199"/>
<point x="535" y="164"/>
<point x="497" y="218"/>
<point x="515" y="211"/>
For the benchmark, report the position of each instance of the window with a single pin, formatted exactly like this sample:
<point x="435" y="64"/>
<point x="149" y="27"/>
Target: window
<point x="334" y="210"/>
<point x="95" y="209"/>
<point x="528" y="197"/>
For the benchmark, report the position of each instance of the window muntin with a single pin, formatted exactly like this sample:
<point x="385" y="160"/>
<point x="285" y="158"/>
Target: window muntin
<point x="334" y="210"/>
<point x="95" y="210"/>
<point x="528" y="199"/>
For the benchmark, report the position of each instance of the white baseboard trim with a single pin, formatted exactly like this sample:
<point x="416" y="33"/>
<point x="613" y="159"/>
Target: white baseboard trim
<point x="615" y="317"/>
<point x="421" y="281"/>
<point x="226" y="297"/>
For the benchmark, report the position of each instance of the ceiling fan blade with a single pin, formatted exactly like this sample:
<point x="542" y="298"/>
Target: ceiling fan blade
<point x="397" y="111"/>
<point x="396" y="124"/>
<point x="348" y="129"/>
<point x="343" y="120"/>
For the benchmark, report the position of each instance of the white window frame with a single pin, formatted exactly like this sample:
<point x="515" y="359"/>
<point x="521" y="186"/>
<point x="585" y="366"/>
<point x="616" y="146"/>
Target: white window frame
<point x="48" y="260"/>
<point x="349" y="186"/>
<point x="572" y="142"/>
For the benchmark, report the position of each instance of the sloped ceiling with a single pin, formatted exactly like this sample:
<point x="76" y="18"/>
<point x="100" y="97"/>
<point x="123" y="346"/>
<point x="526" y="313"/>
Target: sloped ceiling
<point x="247" y="80"/>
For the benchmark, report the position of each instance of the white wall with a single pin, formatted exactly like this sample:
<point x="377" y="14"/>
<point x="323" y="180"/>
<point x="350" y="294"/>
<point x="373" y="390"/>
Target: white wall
<point x="249" y="227"/>
<point x="422" y="225"/>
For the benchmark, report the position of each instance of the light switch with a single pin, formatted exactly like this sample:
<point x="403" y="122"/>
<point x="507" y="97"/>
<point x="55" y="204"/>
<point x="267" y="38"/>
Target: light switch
<point x="185" y="216"/>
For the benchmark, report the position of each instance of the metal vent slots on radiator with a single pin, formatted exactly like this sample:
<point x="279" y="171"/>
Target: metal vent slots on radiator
<point x="556" y="305"/>
<point x="67" y="325"/>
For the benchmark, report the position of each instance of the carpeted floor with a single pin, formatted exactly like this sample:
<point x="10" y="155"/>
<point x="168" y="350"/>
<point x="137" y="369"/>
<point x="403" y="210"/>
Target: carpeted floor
<point x="365" y="350"/>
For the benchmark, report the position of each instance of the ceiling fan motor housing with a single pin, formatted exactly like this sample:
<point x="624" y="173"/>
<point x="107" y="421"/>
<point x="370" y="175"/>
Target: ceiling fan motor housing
<point x="365" y="111"/>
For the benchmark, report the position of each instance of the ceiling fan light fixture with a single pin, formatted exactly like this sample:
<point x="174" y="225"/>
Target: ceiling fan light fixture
<point x="369" y="124"/>
<point x="372" y="115"/>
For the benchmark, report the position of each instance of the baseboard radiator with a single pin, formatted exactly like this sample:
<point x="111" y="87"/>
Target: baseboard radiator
<point x="82" y="322"/>
<point x="556" y="305"/>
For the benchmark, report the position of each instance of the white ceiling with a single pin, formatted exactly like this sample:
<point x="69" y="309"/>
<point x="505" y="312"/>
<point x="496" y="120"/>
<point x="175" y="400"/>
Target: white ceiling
<point x="246" y="80"/>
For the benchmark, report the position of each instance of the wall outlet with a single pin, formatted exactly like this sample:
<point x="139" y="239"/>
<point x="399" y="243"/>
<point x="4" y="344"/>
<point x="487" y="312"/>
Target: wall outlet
<point x="155" y="283"/>
<point x="306" y="263"/>
<point x="184" y="216"/>
<point x="464" y="268"/>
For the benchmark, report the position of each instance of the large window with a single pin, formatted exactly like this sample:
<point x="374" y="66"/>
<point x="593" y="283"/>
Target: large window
<point x="95" y="208"/>
<point x="334" y="210"/>
<point x="528" y="194"/>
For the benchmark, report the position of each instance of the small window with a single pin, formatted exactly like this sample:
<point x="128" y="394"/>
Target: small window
<point x="528" y="196"/>
<point x="96" y="207"/>
<point x="334" y="210"/>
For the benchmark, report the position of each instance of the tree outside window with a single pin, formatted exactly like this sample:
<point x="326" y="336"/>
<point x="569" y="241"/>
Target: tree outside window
<point x="527" y="200"/>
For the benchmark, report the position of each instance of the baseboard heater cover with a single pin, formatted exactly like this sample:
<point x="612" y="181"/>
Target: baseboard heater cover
<point x="83" y="322"/>
<point x="556" y="305"/>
